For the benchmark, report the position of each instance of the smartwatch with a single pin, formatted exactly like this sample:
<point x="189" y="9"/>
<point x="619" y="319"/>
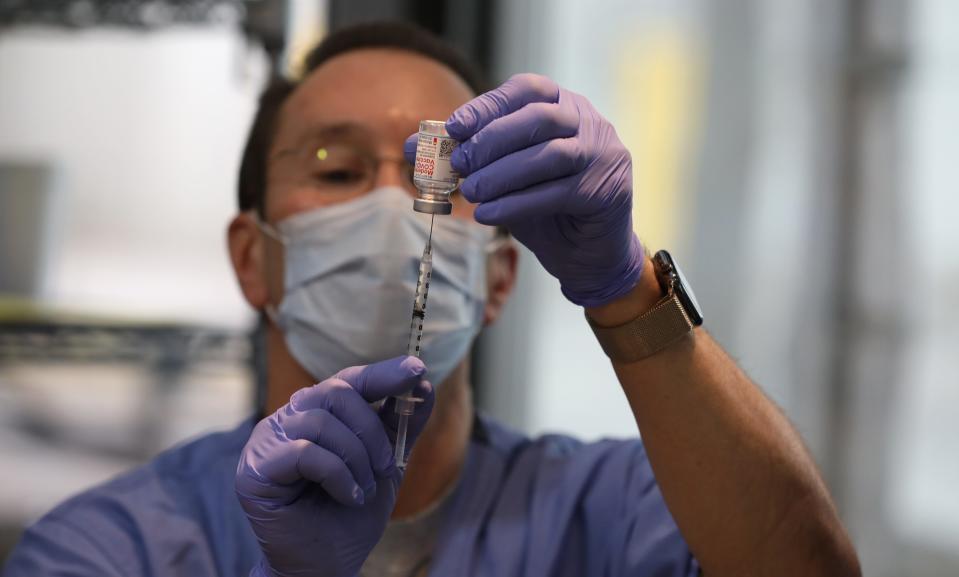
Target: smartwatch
<point x="675" y="315"/>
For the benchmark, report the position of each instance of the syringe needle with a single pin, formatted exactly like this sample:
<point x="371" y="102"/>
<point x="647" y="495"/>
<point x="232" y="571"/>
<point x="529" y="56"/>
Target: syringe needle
<point x="429" y="239"/>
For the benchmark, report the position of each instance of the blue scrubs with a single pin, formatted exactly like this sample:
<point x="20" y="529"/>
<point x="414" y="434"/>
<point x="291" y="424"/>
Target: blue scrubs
<point x="552" y="506"/>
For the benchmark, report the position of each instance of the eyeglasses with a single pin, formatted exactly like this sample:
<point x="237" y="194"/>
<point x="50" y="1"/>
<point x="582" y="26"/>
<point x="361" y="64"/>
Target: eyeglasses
<point x="336" y="169"/>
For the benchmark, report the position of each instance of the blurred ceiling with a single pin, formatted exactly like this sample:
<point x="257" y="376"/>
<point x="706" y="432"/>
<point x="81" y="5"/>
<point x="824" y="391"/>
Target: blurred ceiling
<point x="125" y="13"/>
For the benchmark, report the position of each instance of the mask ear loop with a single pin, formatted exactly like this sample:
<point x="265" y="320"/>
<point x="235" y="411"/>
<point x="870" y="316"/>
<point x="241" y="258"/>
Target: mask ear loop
<point x="270" y="231"/>
<point x="492" y="245"/>
<point x="274" y="316"/>
<point x="496" y="243"/>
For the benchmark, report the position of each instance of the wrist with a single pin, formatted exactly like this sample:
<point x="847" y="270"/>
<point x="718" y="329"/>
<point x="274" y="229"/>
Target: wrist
<point x="640" y="299"/>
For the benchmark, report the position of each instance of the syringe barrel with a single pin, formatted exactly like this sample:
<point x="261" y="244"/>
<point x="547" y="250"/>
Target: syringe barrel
<point x="419" y="302"/>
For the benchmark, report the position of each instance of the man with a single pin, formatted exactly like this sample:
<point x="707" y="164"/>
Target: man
<point x="326" y="246"/>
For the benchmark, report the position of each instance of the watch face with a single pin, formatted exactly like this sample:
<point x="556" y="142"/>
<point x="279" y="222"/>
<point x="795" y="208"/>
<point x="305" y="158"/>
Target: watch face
<point x="680" y="286"/>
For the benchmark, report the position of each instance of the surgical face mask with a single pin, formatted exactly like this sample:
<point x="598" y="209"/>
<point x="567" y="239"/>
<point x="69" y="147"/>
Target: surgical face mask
<point x="350" y="277"/>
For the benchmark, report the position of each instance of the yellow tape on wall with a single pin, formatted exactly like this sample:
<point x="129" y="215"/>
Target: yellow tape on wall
<point x="658" y="95"/>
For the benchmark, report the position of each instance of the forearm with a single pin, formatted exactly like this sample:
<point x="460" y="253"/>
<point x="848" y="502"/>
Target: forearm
<point x="741" y="486"/>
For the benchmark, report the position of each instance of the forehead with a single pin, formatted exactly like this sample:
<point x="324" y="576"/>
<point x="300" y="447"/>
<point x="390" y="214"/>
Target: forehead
<point x="384" y="91"/>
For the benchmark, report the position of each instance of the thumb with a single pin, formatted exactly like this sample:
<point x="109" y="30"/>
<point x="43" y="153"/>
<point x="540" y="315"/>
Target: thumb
<point x="385" y="378"/>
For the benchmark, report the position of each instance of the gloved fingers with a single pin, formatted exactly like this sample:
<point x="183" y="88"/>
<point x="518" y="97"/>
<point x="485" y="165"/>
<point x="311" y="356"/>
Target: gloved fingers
<point x="539" y="200"/>
<point x="274" y="468"/>
<point x="417" y="421"/>
<point x="515" y="93"/>
<point x="345" y="403"/>
<point x="385" y="378"/>
<point x="321" y="466"/>
<point x="533" y="124"/>
<point x="548" y="161"/>
<point x="267" y="467"/>
<point x="409" y="148"/>
<point x="324" y="429"/>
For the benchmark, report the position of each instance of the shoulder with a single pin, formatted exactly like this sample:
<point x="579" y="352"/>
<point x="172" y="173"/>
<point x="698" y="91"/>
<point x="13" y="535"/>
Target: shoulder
<point x="173" y="475"/>
<point x="120" y="524"/>
<point x="195" y="459"/>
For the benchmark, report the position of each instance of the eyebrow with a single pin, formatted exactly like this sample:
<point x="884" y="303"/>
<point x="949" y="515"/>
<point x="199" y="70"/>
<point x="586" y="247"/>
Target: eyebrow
<point x="325" y="132"/>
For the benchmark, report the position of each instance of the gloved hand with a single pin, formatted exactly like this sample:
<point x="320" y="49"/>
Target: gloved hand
<point x="540" y="160"/>
<point x="317" y="478"/>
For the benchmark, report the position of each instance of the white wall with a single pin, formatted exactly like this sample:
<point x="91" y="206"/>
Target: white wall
<point x="926" y="473"/>
<point x="145" y="131"/>
<point x="543" y="369"/>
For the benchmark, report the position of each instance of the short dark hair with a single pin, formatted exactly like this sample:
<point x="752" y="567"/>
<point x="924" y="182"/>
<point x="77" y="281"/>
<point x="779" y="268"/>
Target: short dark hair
<point x="399" y="35"/>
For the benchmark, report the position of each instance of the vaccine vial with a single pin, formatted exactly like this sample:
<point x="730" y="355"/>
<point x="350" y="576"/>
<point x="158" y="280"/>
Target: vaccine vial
<point x="433" y="175"/>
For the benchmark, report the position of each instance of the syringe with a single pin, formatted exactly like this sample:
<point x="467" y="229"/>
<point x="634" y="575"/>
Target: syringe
<point x="406" y="402"/>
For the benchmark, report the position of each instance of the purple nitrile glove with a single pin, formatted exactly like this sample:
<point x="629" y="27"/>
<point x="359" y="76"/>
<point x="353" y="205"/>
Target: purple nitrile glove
<point x="317" y="478"/>
<point x="540" y="160"/>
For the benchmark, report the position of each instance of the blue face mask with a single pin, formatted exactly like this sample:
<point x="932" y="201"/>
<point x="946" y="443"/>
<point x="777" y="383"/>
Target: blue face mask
<point x="350" y="277"/>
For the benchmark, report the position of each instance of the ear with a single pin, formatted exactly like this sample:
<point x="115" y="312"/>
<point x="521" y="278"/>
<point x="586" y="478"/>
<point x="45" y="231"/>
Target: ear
<point x="247" y="253"/>
<point x="500" y="279"/>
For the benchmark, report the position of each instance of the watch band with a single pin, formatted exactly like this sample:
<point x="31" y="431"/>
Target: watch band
<point x="647" y="334"/>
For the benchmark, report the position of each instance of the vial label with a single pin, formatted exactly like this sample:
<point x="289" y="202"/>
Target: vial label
<point x="433" y="158"/>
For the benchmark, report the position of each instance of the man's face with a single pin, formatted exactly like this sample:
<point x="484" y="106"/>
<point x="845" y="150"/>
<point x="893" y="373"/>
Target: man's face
<point x="341" y="133"/>
<point x="354" y="111"/>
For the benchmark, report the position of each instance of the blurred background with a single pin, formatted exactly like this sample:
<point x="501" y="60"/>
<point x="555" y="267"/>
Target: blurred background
<point x="796" y="156"/>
